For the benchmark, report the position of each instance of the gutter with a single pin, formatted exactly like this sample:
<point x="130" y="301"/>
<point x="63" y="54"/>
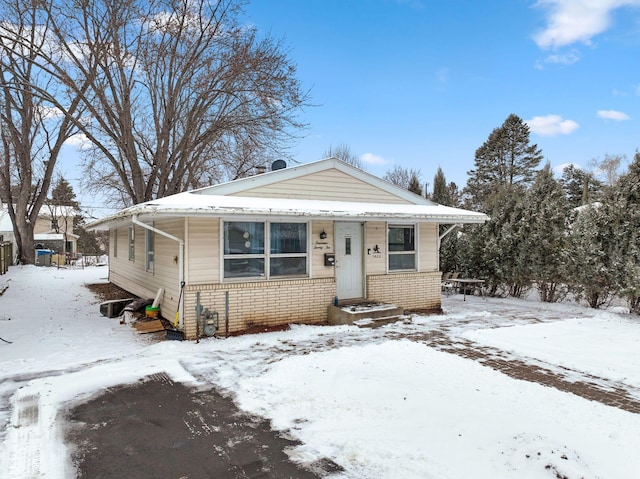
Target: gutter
<point x="217" y="212"/>
<point x="135" y="221"/>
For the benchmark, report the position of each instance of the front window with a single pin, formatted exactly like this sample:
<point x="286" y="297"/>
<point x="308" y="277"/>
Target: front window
<point x="288" y="249"/>
<point x="243" y="250"/>
<point x="402" y="248"/>
<point x="264" y="250"/>
<point x="115" y="243"/>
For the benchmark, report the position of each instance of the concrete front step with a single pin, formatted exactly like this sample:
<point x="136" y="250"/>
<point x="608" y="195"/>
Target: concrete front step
<point x="348" y="314"/>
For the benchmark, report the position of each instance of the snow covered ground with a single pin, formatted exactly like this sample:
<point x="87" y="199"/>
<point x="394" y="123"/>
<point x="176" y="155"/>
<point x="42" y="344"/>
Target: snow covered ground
<point x="376" y="402"/>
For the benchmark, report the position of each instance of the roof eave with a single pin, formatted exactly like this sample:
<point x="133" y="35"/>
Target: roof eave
<point x="217" y="212"/>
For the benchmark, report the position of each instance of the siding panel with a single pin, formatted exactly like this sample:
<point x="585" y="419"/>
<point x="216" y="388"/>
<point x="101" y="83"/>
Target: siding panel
<point x="321" y="246"/>
<point x="203" y="257"/>
<point x="428" y="247"/>
<point x="326" y="185"/>
<point x="132" y="276"/>
<point x="376" y="235"/>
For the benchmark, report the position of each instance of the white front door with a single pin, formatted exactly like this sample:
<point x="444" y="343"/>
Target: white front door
<point x="349" y="269"/>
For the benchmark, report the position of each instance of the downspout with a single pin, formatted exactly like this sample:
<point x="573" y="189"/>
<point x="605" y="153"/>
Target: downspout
<point x="135" y="221"/>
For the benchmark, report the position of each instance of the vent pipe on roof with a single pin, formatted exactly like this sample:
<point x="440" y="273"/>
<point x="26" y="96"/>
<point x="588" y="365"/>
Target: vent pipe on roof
<point x="278" y="165"/>
<point x="260" y="169"/>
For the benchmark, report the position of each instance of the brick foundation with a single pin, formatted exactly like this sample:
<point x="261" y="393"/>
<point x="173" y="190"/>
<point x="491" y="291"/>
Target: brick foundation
<point x="263" y="304"/>
<point x="408" y="290"/>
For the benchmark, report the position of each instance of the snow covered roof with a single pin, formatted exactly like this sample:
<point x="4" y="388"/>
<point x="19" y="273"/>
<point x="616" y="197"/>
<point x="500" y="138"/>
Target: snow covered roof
<point x="193" y="204"/>
<point x="227" y="200"/>
<point x="53" y="236"/>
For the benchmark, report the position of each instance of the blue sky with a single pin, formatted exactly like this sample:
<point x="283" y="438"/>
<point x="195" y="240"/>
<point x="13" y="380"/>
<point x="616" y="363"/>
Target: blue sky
<point x="422" y="83"/>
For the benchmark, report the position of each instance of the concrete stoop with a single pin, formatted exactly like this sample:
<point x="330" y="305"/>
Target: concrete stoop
<point x="378" y="313"/>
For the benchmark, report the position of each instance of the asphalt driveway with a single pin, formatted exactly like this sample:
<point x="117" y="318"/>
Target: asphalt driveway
<point x="161" y="429"/>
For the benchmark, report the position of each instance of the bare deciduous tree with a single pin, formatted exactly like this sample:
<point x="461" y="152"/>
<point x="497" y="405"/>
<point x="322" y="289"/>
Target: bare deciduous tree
<point x="402" y="177"/>
<point x="31" y="130"/>
<point x="177" y="91"/>
<point x="343" y="152"/>
<point x="608" y="168"/>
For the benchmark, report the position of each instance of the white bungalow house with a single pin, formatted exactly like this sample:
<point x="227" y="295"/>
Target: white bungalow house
<point x="282" y="246"/>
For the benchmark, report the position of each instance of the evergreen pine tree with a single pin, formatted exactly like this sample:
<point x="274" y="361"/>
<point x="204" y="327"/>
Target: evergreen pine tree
<point x="591" y="262"/>
<point x="505" y="160"/>
<point x="542" y="233"/>
<point x="454" y="194"/>
<point x="441" y="192"/>
<point x="62" y="194"/>
<point x="580" y="187"/>
<point x="414" y="183"/>
<point x="491" y="251"/>
<point x="627" y="235"/>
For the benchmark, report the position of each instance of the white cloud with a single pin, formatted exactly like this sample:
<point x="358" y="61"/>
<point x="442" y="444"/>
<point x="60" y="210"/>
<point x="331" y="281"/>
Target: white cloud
<point x="371" y="159"/>
<point x="79" y="140"/>
<point x="551" y="125"/>
<point x="565" y="59"/>
<point x="571" y="21"/>
<point x="613" y="115"/>
<point x="49" y="112"/>
<point x="559" y="169"/>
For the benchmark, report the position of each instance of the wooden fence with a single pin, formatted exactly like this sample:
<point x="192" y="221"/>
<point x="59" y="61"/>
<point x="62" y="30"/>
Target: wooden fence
<point x="6" y="256"/>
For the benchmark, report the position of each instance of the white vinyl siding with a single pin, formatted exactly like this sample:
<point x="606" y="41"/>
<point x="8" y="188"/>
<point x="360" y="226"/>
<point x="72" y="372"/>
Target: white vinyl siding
<point x="428" y="257"/>
<point x="132" y="276"/>
<point x="203" y="251"/>
<point x="319" y="247"/>
<point x="376" y="235"/>
<point x="325" y="185"/>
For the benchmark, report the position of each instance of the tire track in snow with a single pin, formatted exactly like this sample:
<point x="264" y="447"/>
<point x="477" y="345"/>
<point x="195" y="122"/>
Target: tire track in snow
<point x="24" y="462"/>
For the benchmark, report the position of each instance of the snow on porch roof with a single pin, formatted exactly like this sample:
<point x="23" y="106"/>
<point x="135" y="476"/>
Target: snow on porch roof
<point x="192" y="204"/>
<point x="53" y="236"/>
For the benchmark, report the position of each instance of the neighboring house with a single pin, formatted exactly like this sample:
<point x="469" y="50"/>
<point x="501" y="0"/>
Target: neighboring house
<point x="260" y="251"/>
<point x="53" y="230"/>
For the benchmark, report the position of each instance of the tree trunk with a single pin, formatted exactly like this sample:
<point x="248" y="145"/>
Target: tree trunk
<point x="23" y="232"/>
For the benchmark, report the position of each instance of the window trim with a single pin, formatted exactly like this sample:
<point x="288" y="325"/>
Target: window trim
<point x="414" y="252"/>
<point x="267" y="255"/>
<point x="149" y="253"/>
<point x="132" y="243"/>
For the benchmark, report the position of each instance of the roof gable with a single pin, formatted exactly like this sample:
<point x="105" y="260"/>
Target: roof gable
<point x="328" y="179"/>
